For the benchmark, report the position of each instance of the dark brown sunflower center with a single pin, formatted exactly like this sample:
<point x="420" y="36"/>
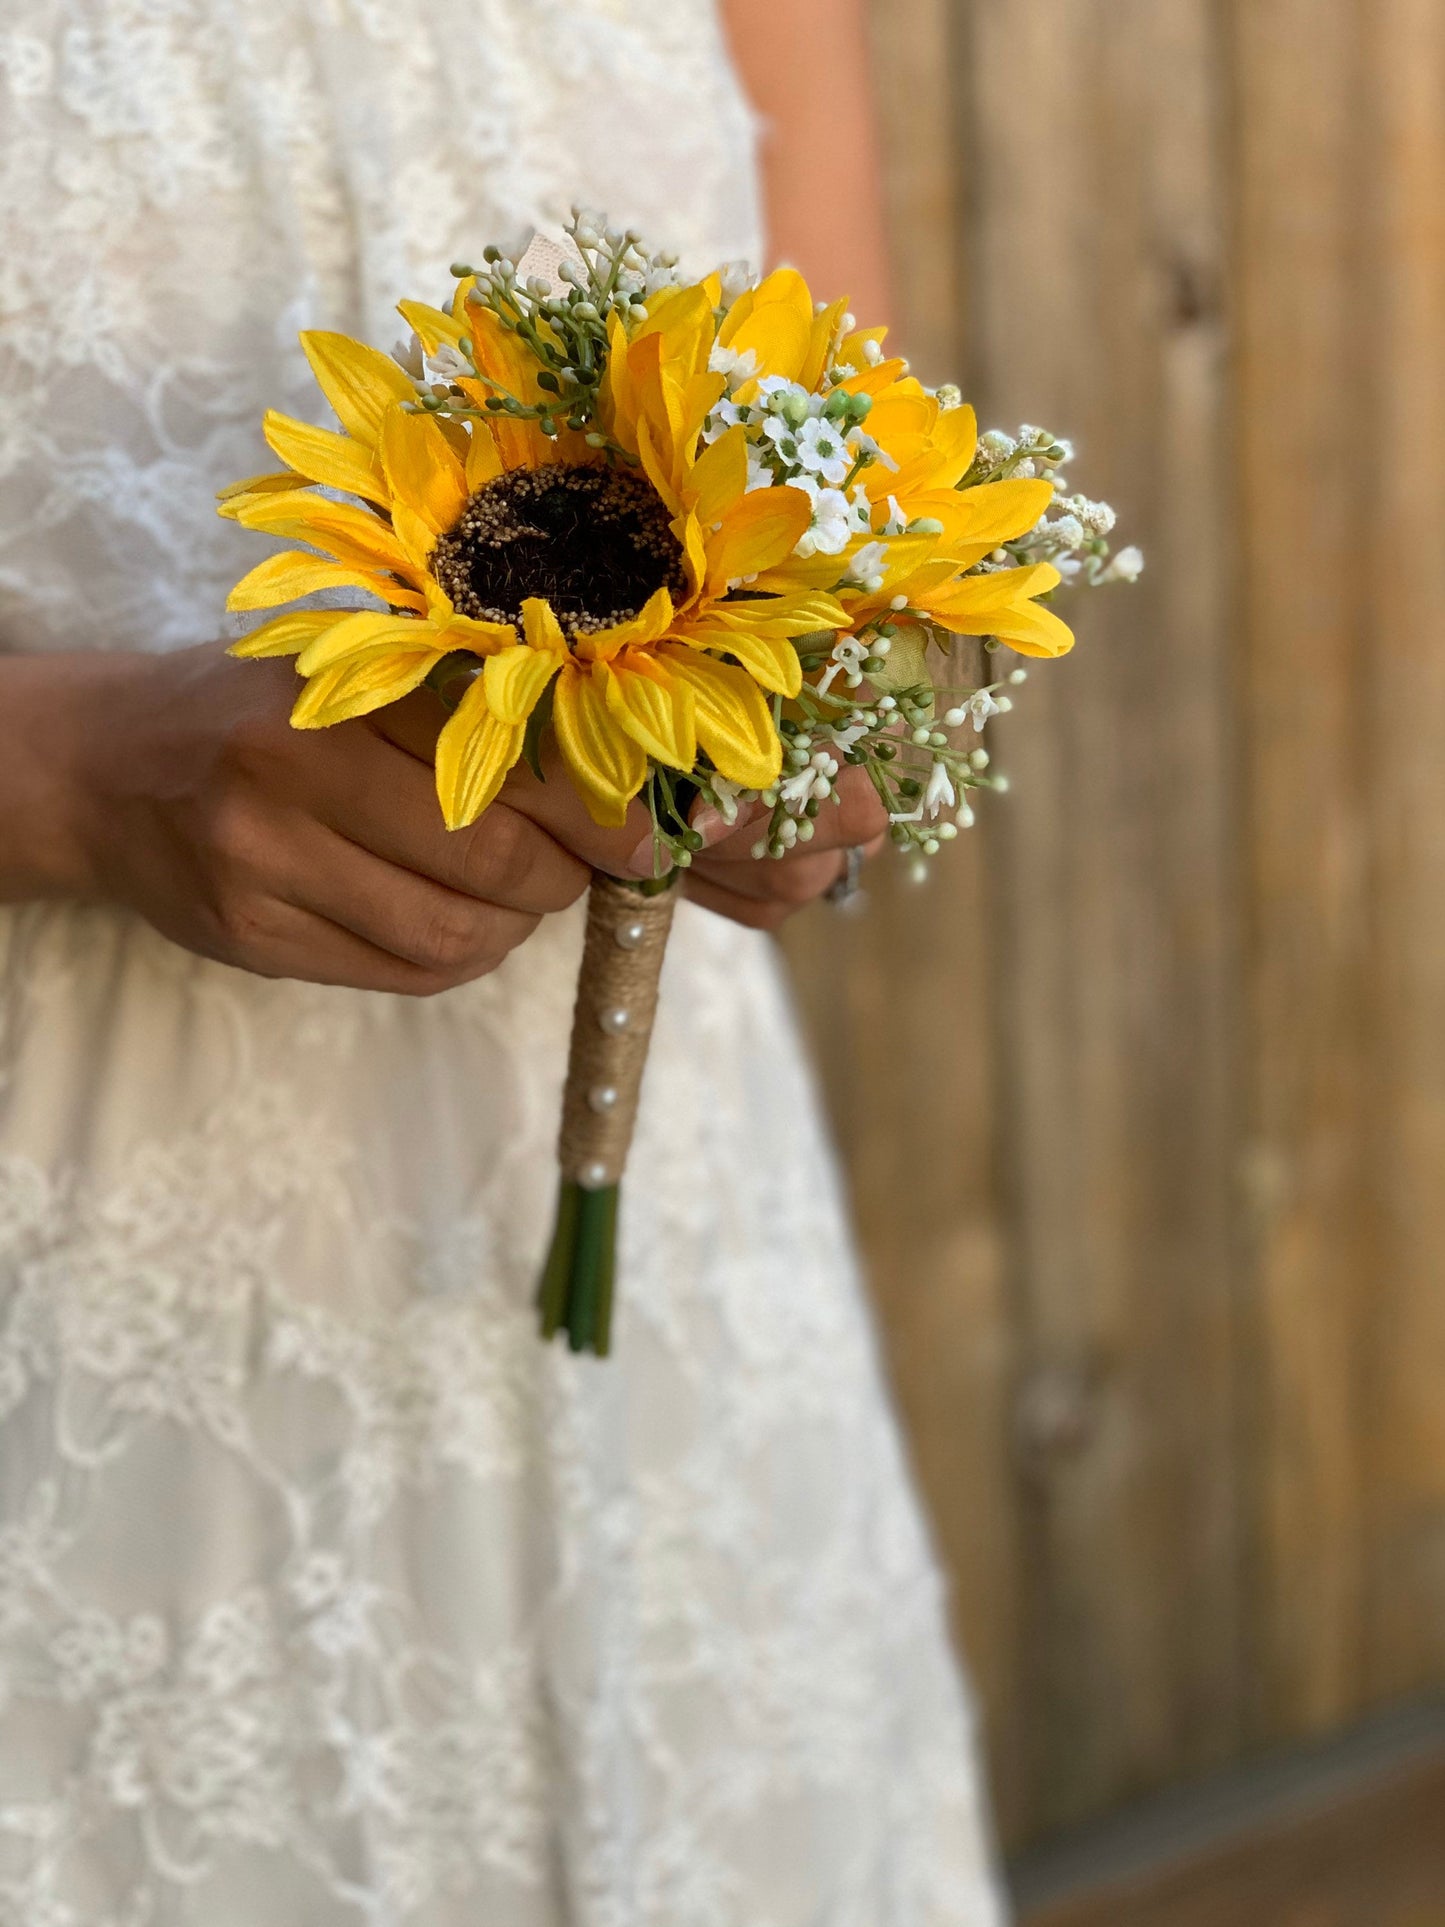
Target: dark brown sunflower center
<point x="594" y="541"/>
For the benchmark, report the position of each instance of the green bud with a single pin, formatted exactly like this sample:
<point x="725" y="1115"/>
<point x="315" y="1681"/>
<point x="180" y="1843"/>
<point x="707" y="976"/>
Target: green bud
<point x="860" y="407"/>
<point x="899" y="833"/>
<point x="460" y="271"/>
<point x="794" y="410"/>
<point x="838" y="404"/>
<point x="491" y="252"/>
<point x="885" y="752"/>
<point x="910" y="787"/>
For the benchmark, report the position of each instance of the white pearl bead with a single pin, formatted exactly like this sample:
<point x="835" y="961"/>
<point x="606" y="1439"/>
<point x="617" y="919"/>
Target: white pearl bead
<point x="593" y="1176"/>
<point x="615" y="1020"/>
<point x="603" y="1097"/>
<point x="629" y="936"/>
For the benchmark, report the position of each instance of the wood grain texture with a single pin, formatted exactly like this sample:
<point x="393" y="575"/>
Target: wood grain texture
<point x="1144" y="1096"/>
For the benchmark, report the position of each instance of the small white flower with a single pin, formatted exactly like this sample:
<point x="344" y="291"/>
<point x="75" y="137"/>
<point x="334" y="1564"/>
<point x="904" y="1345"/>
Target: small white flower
<point x="870" y="560"/>
<point x="863" y="444"/>
<point x="759" y="474"/>
<point x="738" y="366"/>
<point x="409" y="358"/>
<point x="822" y="451"/>
<point x="872" y="353"/>
<point x="980" y="707"/>
<point x="736" y="278"/>
<point x="1127" y="566"/>
<point x="940" y="793"/>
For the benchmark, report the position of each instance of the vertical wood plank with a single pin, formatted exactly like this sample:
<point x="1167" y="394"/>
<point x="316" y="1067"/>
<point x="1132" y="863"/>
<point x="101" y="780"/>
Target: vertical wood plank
<point x="1404" y="472"/>
<point x="1098" y="266"/>
<point x="1304" y="351"/>
<point x="896" y="1004"/>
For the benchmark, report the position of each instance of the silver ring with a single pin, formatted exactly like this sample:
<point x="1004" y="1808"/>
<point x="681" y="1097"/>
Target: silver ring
<point x="847" y="890"/>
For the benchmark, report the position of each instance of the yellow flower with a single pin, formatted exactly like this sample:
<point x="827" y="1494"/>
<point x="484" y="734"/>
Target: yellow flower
<point x="933" y="449"/>
<point x="609" y="581"/>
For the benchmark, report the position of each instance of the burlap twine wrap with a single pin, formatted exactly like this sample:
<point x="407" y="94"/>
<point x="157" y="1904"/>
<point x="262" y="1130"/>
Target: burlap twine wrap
<point x="621" y="964"/>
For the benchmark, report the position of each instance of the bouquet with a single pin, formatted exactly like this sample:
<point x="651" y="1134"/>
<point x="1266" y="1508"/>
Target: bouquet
<point x="712" y="539"/>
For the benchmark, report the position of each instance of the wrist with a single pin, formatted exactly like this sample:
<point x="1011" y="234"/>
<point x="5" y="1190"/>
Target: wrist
<point x="47" y="704"/>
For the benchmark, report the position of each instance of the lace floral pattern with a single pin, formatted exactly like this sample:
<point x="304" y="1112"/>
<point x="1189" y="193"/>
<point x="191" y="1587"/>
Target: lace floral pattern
<point x="328" y="1595"/>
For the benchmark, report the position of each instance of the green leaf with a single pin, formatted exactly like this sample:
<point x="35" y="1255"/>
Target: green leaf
<point x="538" y="721"/>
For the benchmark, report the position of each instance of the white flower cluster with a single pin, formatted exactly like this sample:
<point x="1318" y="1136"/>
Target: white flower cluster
<point x="1073" y="535"/>
<point x="813" y="442"/>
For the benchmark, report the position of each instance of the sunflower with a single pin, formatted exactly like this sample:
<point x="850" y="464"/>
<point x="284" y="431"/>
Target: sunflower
<point x="610" y="575"/>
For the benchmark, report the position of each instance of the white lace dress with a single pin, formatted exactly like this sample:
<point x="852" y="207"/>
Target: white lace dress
<point x="329" y="1596"/>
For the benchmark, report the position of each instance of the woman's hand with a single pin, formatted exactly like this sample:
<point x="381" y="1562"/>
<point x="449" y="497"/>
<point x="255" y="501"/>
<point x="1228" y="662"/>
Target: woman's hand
<point x="765" y="891"/>
<point x="177" y="786"/>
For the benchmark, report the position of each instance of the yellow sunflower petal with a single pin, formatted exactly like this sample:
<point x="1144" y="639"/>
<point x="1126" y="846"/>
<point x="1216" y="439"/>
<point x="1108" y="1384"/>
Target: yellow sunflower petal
<point x="541" y="627"/>
<point x="483" y="463"/>
<point x="719" y="477"/>
<point x="734" y="723"/>
<point x="769" y="660"/>
<point x="757" y="533"/>
<point x="608" y="765"/>
<point x="474" y="753"/>
<point x="682" y="318"/>
<point x="365" y="629"/>
<point x="360" y="382"/>
<point x="365" y="680"/>
<point x="655" y="707"/>
<point x="286" y="635"/>
<point x="433" y="327"/>
<point x="253" y="485"/>
<point x="987" y="516"/>
<point x="516" y="678"/>
<point x="335" y="461"/>
<point x="293" y="573"/>
<point x="820" y="340"/>
<point x="652" y="621"/>
<point x="1033" y="631"/>
<point x="346" y="533"/>
<point x="422" y="469"/>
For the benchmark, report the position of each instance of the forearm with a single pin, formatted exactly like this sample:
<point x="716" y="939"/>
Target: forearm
<point x="40" y="849"/>
<point x="807" y="66"/>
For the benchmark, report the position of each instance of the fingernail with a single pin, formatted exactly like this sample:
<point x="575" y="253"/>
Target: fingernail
<point x="712" y="826"/>
<point x="649" y="859"/>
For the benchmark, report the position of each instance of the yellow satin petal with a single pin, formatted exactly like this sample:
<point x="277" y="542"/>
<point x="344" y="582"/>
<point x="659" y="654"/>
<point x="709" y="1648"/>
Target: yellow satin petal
<point x="1033" y="631"/>
<point x="474" y="754"/>
<point x="682" y="318"/>
<point x="270" y="484"/>
<point x="286" y="635"/>
<point x="719" y="477"/>
<point x="655" y="708"/>
<point x="516" y="678"/>
<point x="734" y="723"/>
<point x="757" y="532"/>
<point x="652" y="621"/>
<point x="820" y="340"/>
<point x="990" y="515"/>
<point x="422" y="469"/>
<point x="293" y="573"/>
<point x="657" y="466"/>
<point x="607" y="765"/>
<point x="483" y="463"/>
<point x="432" y="326"/>
<point x="362" y="682"/>
<point x="541" y="627"/>
<point x="365" y="629"/>
<point x="360" y="382"/>
<point x="335" y="461"/>
<point x="769" y="660"/>
<point x="346" y="533"/>
<point x="999" y="589"/>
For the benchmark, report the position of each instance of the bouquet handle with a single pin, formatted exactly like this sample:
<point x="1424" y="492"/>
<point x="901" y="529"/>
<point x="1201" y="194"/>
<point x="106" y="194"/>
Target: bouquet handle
<point x="627" y="931"/>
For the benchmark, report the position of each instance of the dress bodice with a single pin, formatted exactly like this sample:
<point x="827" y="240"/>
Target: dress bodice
<point x="184" y="184"/>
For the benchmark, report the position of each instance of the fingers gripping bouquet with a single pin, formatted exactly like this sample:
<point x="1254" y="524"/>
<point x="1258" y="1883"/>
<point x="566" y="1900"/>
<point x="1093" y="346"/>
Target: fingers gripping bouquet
<point x="710" y="539"/>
